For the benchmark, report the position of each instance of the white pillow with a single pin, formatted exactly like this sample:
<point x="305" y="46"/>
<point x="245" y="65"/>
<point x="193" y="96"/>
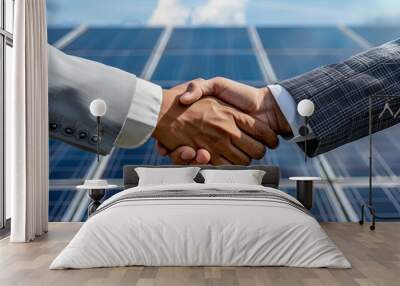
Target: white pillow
<point x="165" y="176"/>
<point x="247" y="177"/>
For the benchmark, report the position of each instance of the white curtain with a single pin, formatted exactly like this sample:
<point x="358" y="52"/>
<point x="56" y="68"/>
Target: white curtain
<point x="27" y="124"/>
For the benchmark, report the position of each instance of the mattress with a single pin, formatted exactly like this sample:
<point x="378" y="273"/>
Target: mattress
<point x="201" y="225"/>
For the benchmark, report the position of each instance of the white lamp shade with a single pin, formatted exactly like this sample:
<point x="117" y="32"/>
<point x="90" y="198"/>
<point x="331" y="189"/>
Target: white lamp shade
<point x="305" y="108"/>
<point x="98" y="107"/>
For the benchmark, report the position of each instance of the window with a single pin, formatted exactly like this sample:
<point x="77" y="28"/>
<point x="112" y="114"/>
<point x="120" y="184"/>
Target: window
<point x="6" y="42"/>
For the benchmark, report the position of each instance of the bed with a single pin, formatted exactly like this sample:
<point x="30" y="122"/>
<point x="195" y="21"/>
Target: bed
<point x="198" y="224"/>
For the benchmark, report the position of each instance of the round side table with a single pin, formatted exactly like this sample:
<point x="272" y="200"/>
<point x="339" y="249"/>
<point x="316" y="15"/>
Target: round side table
<point x="304" y="188"/>
<point x="96" y="191"/>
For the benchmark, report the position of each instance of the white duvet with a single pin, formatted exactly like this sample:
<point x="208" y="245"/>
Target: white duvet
<point x="200" y="231"/>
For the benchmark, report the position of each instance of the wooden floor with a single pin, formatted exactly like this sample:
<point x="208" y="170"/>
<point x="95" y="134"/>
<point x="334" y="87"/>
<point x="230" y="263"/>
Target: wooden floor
<point x="375" y="257"/>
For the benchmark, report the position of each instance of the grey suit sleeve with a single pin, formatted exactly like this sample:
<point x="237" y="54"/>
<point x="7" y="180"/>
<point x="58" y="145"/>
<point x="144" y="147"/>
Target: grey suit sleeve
<point x="341" y="92"/>
<point x="73" y="83"/>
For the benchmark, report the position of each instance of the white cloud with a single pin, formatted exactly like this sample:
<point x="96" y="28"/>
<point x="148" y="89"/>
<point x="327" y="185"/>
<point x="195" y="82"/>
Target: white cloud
<point x="220" y="13"/>
<point x="169" y="12"/>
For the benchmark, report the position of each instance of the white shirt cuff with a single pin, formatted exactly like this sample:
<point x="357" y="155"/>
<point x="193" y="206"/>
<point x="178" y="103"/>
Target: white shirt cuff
<point x="289" y="109"/>
<point x="142" y="116"/>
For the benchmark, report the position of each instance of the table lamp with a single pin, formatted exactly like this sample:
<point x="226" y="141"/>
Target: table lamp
<point x="96" y="187"/>
<point x="305" y="108"/>
<point x="98" y="108"/>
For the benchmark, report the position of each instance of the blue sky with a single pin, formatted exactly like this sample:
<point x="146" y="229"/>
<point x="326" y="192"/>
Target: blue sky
<point x="222" y="12"/>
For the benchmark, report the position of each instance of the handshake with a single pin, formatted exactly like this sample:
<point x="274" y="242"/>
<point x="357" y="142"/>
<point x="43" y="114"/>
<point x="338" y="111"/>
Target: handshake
<point x="218" y="121"/>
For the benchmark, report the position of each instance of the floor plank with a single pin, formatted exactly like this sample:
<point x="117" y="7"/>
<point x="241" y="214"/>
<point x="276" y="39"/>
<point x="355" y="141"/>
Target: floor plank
<point x="375" y="257"/>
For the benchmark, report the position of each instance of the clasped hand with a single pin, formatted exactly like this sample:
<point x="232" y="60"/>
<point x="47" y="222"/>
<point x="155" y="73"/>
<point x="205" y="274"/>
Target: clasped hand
<point x="218" y="121"/>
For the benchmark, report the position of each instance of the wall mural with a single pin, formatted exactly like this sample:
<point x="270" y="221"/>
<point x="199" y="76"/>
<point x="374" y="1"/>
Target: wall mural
<point x="250" y="58"/>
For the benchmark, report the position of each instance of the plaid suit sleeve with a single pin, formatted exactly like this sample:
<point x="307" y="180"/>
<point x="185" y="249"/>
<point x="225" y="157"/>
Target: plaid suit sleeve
<point x="341" y="92"/>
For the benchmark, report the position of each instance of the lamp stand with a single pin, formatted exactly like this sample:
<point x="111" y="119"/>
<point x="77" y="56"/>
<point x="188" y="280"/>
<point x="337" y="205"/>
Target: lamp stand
<point x="98" y="138"/>
<point x="95" y="195"/>
<point x="305" y="137"/>
<point x="370" y="205"/>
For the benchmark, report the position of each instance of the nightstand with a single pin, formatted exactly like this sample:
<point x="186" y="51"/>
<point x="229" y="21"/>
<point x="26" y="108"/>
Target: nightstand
<point x="96" y="191"/>
<point x="304" y="188"/>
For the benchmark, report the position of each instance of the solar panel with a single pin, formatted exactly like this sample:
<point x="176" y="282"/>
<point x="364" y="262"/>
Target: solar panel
<point x="144" y="154"/>
<point x="99" y="45"/>
<point x="68" y="162"/>
<point x="130" y="63"/>
<point x="293" y="51"/>
<point x="304" y="38"/>
<point x="54" y="34"/>
<point x="174" y="67"/>
<point x="386" y="200"/>
<point x="378" y="35"/>
<point x="209" y="39"/>
<point x="289" y="65"/>
<point x="385" y="145"/>
<point x="351" y="160"/>
<point x="208" y="52"/>
<point x="117" y="39"/>
<point x="296" y="58"/>
<point x="127" y="49"/>
<point x="59" y="202"/>
<point x="291" y="161"/>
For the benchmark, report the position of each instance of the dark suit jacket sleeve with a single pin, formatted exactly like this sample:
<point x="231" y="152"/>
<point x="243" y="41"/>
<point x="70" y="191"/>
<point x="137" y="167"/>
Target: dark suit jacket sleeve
<point x="341" y="92"/>
<point x="73" y="83"/>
